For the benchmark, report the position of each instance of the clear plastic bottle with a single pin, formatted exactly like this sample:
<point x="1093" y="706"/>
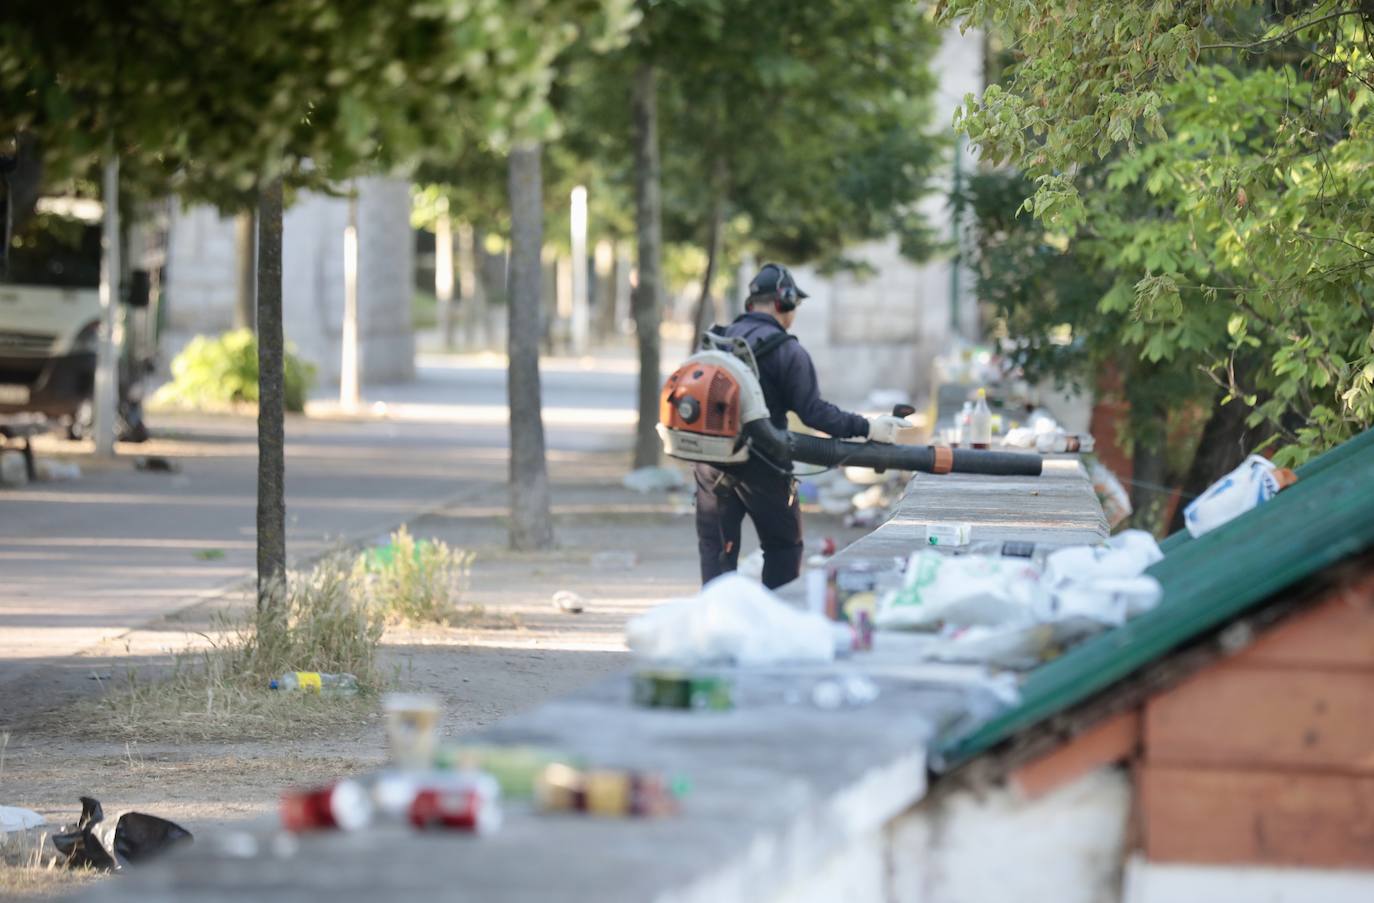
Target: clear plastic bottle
<point x="963" y="426"/>
<point x="980" y="425"/>
<point x="317" y="682"/>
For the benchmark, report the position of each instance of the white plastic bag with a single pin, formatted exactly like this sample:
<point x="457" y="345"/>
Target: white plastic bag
<point x="1253" y="483"/>
<point x="1126" y="554"/>
<point x="964" y="590"/>
<point x="732" y="619"/>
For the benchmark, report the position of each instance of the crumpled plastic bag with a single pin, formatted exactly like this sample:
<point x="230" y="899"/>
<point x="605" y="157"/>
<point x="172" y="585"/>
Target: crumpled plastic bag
<point x="732" y="619"/>
<point x="1011" y="613"/>
<point x="132" y="838"/>
<point x="965" y="590"/>
<point x="1253" y="483"/>
<point x="14" y="819"/>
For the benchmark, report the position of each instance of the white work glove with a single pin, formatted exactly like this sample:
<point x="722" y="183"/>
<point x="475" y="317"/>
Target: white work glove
<point x="884" y="428"/>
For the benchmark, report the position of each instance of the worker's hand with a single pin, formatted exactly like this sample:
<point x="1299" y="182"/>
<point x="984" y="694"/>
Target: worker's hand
<point x="884" y="428"/>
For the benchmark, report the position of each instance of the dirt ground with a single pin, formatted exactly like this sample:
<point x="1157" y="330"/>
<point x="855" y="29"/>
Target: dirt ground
<point x="517" y="653"/>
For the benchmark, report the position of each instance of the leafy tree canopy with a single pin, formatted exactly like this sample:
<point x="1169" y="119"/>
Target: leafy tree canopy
<point x="1213" y="159"/>
<point x="209" y="100"/>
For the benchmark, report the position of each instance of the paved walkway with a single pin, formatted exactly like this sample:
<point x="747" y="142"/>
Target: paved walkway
<point x="84" y="562"/>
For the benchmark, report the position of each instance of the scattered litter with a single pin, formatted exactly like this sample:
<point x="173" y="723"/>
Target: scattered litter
<point x="939" y="534"/>
<point x="751" y="566"/>
<point x="1014" y="612"/>
<point x="732" y="619"/>
<point x="866" y="518"/>
<point x="1253" y="483"/>
<point x="316" y="682"/>
<point x="515" y="768"/>
<point x="412" y="728"/>
<point x="58" y="471"/>
<point x="654" y="479"/>
<point x="14" y="818"/>
<point x="850" y="691"/>
<point x="614" y="561"/>
<point x="449" y="800"/>
<point x="133" y="838"/>
<point x="1116" y="503"/>
<point x="682" y="690"/>
<point x="208" y="554"/>
<point x="872" y="497"/>
<point x="155" y="464"/>
<point x="569" y="601"/>
<point x="607" y="792"/>
<point x="965" y="590"/>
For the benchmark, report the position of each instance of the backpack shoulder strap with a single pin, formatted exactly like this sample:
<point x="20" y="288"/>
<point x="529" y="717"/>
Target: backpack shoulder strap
<point x="772" y="343"/>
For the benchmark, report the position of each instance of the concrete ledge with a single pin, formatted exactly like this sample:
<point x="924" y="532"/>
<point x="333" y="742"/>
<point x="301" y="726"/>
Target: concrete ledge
<point x="788" y="801"/>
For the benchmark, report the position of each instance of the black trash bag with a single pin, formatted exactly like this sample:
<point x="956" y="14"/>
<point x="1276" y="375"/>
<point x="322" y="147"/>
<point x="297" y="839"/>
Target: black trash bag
<point x="134" y="837"/>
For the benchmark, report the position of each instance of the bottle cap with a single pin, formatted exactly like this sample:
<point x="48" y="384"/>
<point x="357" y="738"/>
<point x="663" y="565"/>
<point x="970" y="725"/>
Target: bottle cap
<point x="982" y="393"/>
<point x="272" y="684"/>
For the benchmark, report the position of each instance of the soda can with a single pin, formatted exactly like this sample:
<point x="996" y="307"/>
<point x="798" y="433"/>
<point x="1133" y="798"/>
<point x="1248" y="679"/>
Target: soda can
<point x="455" y="800"/>
<point x="345" y="805"/>
<point x="461" y="809"/>
<point x="605" y="792"/>
<point x="679" y="690"/>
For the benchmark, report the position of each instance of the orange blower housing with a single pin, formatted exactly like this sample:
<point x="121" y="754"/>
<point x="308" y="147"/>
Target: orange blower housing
<point x="707" y="407"/>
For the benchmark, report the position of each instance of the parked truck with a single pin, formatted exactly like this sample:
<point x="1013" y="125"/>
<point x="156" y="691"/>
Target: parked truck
<point x="50" y="319"/>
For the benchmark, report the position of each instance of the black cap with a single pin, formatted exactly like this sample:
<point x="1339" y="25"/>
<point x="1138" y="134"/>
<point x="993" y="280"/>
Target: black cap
<point x="773" y="278"/>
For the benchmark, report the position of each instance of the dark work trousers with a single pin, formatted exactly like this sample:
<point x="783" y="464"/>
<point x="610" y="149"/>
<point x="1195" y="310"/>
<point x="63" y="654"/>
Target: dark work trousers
<point x="769" y="499"/>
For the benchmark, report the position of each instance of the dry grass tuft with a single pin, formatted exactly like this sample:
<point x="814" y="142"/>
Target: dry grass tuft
<point x="414" y="582"/>
<point x="320" y="622"/>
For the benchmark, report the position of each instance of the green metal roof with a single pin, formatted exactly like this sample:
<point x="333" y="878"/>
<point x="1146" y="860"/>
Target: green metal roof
<point x="1325" y="517"/>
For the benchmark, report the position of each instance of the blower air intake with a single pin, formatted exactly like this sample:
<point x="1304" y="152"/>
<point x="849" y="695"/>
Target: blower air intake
<point x="712" y="410"/>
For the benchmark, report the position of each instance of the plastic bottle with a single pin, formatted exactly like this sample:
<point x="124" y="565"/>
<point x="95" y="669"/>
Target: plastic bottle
<point x="1061" y="443"/>
<point x="317" y="682"/>
<point x="980" y="422"/>
<point x="964" y="426"/>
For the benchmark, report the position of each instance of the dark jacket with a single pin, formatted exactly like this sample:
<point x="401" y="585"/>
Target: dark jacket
<point x="789" y="381"/>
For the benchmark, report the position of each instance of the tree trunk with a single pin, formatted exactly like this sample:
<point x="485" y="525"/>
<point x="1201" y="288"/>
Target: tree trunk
<point x="473" y="305"/>
<point x="715" y="235"/>
<point x="648" y="293"/>
<point x="271" y="402"/>
<point x="246" y="270"/>
<point x="1150" y="467"/>
<point x="1225" y="442"/>
<point x="529" y="476"/>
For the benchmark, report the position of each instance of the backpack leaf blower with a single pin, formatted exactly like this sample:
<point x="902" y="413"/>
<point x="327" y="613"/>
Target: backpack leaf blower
<point x="712" y="410"/>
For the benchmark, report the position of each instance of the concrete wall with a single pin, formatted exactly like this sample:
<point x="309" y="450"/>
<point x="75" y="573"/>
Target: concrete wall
<point x="883" y="330"/>
<point x="1151" y="882"/>
<point x="202" y="286"/>
<point x="977" y="845"/>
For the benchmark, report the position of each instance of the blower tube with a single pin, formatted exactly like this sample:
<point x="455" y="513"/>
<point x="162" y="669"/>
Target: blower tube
<point x="880" y="456"/>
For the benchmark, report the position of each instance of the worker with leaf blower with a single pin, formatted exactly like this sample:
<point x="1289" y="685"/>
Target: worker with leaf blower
<point x="761" y="485"/>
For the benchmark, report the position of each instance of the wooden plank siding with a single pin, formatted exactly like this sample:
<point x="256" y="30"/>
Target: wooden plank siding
<point x="1268" y="757"/>
<point x="1231" y="816"/>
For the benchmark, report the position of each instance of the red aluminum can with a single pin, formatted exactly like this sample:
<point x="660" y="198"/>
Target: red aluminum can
<point x="344" y="805"/>
<point x="459" y="801"/>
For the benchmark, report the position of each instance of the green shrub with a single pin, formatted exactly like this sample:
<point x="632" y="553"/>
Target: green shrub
<point x="219" y="371"/>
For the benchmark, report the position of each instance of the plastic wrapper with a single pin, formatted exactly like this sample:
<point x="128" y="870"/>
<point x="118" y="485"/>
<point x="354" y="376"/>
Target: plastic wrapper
<point x="1253" y="483"/>
<point x="965" y="590"/>
<point x="732" y="619"/>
